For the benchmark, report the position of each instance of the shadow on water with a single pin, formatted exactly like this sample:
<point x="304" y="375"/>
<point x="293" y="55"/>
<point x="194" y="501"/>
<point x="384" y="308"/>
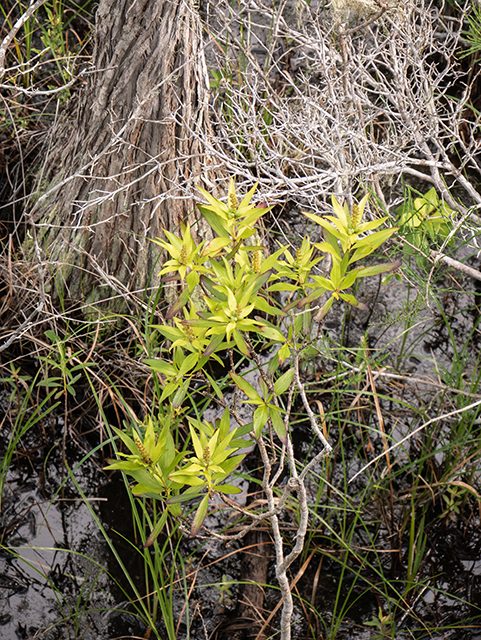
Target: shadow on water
<point x="57" y="575"/>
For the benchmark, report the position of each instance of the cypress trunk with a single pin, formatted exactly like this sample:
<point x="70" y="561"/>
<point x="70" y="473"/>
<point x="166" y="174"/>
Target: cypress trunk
<point x="127" y="154"/>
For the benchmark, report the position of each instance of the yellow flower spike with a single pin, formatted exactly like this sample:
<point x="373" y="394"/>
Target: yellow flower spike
<point x="184" y="255"/>
<point x="256" y="261"/>
<point x="233" y="202"/>
<point x="142" y="450"/>
<point x="355" y="216"/>
<point x="206" y="455"/>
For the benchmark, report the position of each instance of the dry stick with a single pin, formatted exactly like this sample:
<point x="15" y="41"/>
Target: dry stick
<point x="410" y="435"/>
<point x="278" y="544"/>
<point x="38" y="92"/>
<point x="23" y="328"/>
<point x="379" y="414"/>
<point x="382" y="9"/>
<point x="469" y="271"/>
<point x="296" y="482"/>
<point x="299" y="575"/>
<point x="256" y="518"/>
<point x="437" y="256"/>
<point x="8" y="39"/>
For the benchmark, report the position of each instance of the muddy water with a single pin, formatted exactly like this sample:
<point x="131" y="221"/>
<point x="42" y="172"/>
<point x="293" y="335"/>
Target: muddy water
<point x="53" y="577"/>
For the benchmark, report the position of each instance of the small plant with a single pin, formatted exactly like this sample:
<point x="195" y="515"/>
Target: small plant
<point x="154" y="465"/>
<point x="455" y="499"/>
<point x="64" y="361"/>
<point x="345" y="246"/>
<point x="18" y="383"/>
<point x="423" y="221"/>
<point x="384" y="625"/>
<point x="236" y="309"/>
<point x="225" y="592"/>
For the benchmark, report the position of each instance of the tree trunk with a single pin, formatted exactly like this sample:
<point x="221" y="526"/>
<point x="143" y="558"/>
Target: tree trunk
<point x="124" y="164"/>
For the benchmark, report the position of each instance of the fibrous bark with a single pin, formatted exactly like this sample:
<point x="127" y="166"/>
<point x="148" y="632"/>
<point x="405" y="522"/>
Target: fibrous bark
<point x="126" y="157"/>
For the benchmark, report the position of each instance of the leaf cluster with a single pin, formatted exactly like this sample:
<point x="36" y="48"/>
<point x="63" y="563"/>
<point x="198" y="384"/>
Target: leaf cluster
<point x="424" y="221"/>
<point x="237" y="307"/>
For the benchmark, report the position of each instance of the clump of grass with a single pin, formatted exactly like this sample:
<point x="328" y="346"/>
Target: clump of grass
<point x="376" y="535"/>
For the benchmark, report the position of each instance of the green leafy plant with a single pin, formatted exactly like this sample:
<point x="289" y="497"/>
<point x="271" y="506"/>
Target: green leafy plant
<point x="213" y="463"/>
<point x="267" y="407"/>
<point x="66" y="362"/>
<point x="228" y="302"/>
<point x="18" y="383"/>
<point x="424" y="221"/>
<point x="154" y="464"/>
<point x="454" y="499"/>
<point x="345" y="246"/>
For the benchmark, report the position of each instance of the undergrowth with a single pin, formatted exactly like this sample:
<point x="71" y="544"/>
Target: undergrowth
<point x="378" y="516"/>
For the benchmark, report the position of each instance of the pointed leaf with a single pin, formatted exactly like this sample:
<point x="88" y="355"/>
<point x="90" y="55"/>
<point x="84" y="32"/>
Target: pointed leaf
<point x="230" y="464"/>
<point x="157" y="529"/>
<point x="224" y="424"/>
<point x="282" y="286"/>
<point x="262" y="305"/>
<point x="352" y="301"/>
<point x="127" y="441"/>
<point x="227" y="488"/>
<point x="278" y="424"/>
<point x="124" y="465"/>
<point x="183" y="478"/>
<point x="147" y="491"/>
<point x="271" y="333"/>
<point x="214" y="344"/>
<point x="321" y="314"/>
<point x="188" y="364"/>
<point x="200" y="515"/>
<point x="378" y="268"/>
<point x="215" y="221"/>
<point x="248" y="196"/>
<point x="178" y="304"/>
<point x="314" y="295"/>
<point x="374" y="240"/>
<point x="247" y="388"/>
<point x="190" y="494"/>
<point x="214" y="385"/>
<point x="327" y="247"/>
<point x="261" y="415"/>
<point x="179" y="395"/>
<point x="169" y="389"/>
<point x="340" y="212"/>
<point x="325" y="224"/>
<point x="198" y="448"/>
<point x="283" y="383"/>
<point x="284" y="352"/>
<point x="215" y="246"/>
<point x="161" y="366"/>
<point x="349" y="280"/>
<point x="240" y="342"/>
